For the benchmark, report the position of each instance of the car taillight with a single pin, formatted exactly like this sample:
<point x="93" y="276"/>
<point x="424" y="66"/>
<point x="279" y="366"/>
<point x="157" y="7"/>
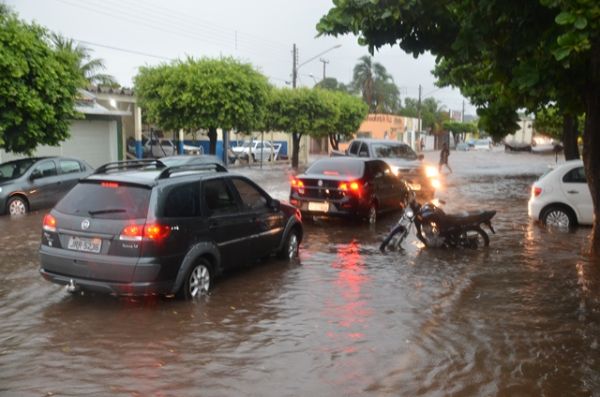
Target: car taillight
<point x="112" y="185"/>
<point x="298" y="185"/>
<point x="49" y="224"/>
<point x="536" y="191"/>
<point x="353" y="187"/>
<point x="153" y="231"/>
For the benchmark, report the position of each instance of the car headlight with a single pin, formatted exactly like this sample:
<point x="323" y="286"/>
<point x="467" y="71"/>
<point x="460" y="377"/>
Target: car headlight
<point x="395" y="170"/>
<point x="436" y="184"/>
<point x="431" y="171"/>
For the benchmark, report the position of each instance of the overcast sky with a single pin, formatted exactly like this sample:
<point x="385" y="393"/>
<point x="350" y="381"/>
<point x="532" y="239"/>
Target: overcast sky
<point x="260" y="32"/>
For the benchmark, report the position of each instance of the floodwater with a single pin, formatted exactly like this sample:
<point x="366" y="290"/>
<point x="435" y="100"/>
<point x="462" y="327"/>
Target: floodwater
<point x="521" y="318"/>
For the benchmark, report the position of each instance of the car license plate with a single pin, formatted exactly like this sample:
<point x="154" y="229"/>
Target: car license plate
<point x="318" y="207"/>
<point x="85" y="244"/>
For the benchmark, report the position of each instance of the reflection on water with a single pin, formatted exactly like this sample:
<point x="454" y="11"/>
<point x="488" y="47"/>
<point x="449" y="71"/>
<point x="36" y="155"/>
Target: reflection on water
<point x="520" y="318"/>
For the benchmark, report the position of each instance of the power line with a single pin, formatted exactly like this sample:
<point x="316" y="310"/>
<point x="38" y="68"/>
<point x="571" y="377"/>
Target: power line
<point x="152" y="24"/>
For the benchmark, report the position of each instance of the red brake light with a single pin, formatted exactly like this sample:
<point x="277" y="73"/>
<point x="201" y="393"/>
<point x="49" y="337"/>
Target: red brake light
<point x="113" y="185"/>
<point x="156" y="232"/>
<point x="350" y="186"/>
<point x="536" y="191"/>
<point x="297" y="183"/>
<point x="151" y="231"/>
<point x="49" y="223"/>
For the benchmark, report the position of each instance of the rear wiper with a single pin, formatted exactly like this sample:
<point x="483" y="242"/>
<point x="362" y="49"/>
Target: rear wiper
<point x="107" y="211"/>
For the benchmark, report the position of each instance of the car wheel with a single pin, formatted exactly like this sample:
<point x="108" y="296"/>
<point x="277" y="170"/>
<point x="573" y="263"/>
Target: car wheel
<point x="372" y="214"/>
<point x="198" y="281"/>
<point x="289" y="251"/>
<point x="17" y="206"/>
<point x="559" y="217"/>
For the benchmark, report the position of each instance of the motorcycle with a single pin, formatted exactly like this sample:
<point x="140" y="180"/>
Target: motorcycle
<point x="435" y="228"/>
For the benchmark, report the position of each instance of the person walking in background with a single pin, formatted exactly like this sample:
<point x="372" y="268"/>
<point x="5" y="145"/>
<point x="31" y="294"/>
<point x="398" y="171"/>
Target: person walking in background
<point x="444" y="157"/>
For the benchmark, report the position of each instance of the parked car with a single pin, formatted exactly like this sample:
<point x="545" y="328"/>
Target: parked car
<point x="179" y="160"/>
<point x="257" y="150"/>
<point x="405" y="163"/>
<point x="131" y="229"/>
<point x="348" y="187"/>
<point x="482" y="144"/>
<point x="38" y="182"/>
<point x="562" y="198"/>
<point x="161" y="147"/>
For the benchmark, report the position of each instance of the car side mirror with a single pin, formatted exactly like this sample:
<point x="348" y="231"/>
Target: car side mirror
<point x="36" y="174"/>
<point x="275" y="204"/>
<point x="420" y="156"/>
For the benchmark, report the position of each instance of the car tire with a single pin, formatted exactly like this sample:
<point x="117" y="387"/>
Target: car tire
<point x="372" y="214"/>
<point x="17" y="205"/>
<point x="198" y="281"/>
<point x="290" y="248"/>
<point x="558" y="216"/>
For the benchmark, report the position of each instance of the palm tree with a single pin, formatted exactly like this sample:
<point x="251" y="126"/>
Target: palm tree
<point x="88" y="67"/>
<point x="376" y="86"/>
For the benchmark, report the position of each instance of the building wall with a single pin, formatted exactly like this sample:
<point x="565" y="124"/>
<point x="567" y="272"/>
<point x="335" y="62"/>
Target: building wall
<point x="94" y="141"/>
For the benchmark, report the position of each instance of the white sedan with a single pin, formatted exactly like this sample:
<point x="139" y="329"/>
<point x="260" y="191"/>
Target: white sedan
<point x="562" y="198"/>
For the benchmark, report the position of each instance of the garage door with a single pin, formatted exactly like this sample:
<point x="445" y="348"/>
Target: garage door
<point x="94" y="141"/>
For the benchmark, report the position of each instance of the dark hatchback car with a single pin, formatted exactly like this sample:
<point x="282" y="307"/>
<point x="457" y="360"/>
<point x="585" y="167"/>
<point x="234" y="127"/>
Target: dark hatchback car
<point x="133" y="229"/>
<point x="349" y="187"/>
<point x="39" y="182"/>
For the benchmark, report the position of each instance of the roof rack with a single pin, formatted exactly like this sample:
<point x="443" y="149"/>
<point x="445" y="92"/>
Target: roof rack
<point x="166" y="173"/>
<point x="127" y="165"/>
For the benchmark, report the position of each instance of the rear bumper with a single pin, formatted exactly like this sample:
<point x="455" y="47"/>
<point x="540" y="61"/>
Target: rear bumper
<point x="106" y="274"/>
<point x="346" y="208"/>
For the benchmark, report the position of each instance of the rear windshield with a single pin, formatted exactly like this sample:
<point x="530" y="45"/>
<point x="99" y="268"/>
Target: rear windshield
<point x="353" y="169"/>
<point x="106" y="200"/>
<point x="394" y="151"/>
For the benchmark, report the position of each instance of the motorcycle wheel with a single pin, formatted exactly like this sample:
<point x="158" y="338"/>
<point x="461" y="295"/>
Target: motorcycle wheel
<point x="474" y="238"/>
<point x="390" y="236"/>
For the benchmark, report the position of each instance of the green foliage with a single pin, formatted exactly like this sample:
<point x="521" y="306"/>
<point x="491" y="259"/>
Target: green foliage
<point x="457" y="127"/>
<point x="331" y="84"/>
<point x="89" y="67"/>
<point x="376" y="86"/>
<point x="432" y="116"/>
<point x="38" y="87"/>
<point x="204" y="93"/>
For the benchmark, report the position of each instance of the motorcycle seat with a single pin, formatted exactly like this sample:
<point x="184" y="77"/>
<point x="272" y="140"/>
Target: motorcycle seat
<point x="466" y="217"/>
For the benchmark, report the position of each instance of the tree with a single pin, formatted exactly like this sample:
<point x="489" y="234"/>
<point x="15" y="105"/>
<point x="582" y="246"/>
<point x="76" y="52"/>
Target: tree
<point x="88" y="67"/>
<point x="206" y="93"/>
<point x="301" y="111"/>
<point x="38" y="87"/>
<point x="376" y="86"/>
<point x="528" y="55"/>
<point x="432" y="116"/>
<point x="459" y="129"/>
<point x="331" y="84"/>
<point x="351" y="113"/>
<point x="552" y="122"/>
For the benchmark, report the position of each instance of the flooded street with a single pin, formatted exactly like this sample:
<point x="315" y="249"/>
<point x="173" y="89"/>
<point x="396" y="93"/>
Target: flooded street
<point x="520" y="318"/>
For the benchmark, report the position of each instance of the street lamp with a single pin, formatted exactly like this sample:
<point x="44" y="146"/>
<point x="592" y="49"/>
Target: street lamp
<point x="297" y="66"/>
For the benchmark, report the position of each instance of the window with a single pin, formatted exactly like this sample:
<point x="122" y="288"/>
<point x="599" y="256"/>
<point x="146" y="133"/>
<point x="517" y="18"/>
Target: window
<point x="183" y="201"/>
<point x="576" y="175"/>
<point x="45" y="169"/>
<point x="354" y="148"/>
<point x="252" y="198"/>
<point x="69" y="166"/>
<point x="106" y="202"/>
<point x="364" y="150"/>
<point x="218" y="198"/>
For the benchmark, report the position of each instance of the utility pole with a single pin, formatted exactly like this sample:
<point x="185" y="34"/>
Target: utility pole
<point x="294" y="66"/>
<point x="462" y="116"/>
<point x="419" y="108"/>
<point x="325" y="62"/>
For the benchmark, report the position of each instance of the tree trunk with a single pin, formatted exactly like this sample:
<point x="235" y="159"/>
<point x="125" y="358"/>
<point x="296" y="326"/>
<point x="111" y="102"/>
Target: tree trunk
<point x="333" y="141"/>
<point x="591" y="144"/>
<point x="569" y="139"/>
<point x="212" y="135"/>
<point x="295" y="149"/>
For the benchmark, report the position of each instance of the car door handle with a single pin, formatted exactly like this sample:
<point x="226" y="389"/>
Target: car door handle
<point x="572" y="191"/>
